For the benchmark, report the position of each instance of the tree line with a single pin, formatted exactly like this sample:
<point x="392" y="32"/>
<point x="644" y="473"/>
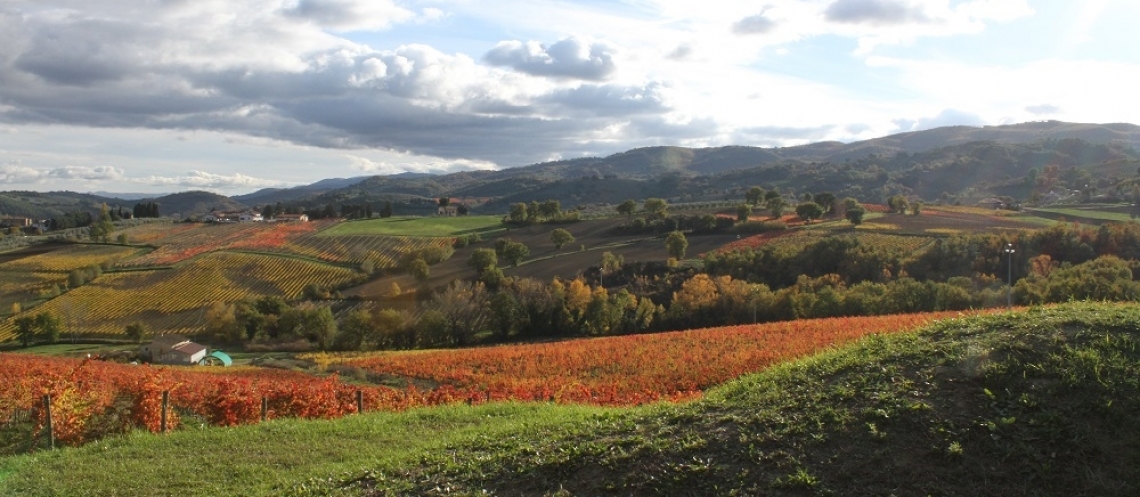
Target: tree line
<point x="836" y="276"/>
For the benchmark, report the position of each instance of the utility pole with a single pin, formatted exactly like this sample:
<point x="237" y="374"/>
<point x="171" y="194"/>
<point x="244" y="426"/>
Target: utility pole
<point x="1009" y="263"/>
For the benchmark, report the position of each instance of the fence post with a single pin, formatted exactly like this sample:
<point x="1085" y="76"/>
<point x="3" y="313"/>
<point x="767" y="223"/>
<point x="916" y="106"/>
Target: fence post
<point x="165" y="401"/>
<point x="50" y="429"/>
<point x="264" y="408"/>
<point x="359" y="401"/>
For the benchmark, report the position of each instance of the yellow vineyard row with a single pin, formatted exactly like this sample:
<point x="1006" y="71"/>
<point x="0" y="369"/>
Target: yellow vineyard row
<point x="70" y="257"/>
<point x="114" y="300"/>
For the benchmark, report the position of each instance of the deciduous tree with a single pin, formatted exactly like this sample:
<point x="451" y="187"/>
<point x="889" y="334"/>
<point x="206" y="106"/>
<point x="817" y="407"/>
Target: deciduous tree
<point x="465" y="309"/>
<point x="101" y="230"/>
<point x="754" y="196"/>
<point x="809" y="211"/>
<point x="826" y="200"/>
<point x="676" y="244"/>
<point x="420" y="270"/>
<point x="776" y="205"/>
<point x="518" y="213"/>
<point x="135" y="332"/>
<point x="515" y="252"/>
<point x="743" y="211"/>
<point x="483" y="259"/>
<point x="855" y="215"/>
<point x="656" y="207"/>
<point x="627" y="208"/>
<point x="560" y="237"/>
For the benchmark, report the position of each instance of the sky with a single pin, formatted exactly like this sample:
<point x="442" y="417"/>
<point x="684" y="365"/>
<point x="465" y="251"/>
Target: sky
<point x="231" y="96"/>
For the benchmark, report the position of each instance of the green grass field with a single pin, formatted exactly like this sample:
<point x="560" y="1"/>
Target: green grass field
<point x="1042" y="222"/>
<point x="418" y="226"/>
<point x="1088" y="214"/>
<point x="74" y="349"/>
<point x="1044" y="401"/>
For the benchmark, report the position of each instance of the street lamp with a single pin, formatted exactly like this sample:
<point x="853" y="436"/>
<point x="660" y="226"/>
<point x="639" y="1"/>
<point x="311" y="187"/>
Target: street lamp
<point x="1008" y="250"/>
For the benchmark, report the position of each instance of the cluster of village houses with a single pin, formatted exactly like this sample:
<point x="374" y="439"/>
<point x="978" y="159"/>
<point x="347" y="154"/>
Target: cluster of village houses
<point x="22" y="223"/>
<point x="251" y="216"/>
<point x="213" y="217"/>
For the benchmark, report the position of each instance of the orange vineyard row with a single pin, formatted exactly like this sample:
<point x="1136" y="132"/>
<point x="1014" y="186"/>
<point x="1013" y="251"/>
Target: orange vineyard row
<point x="632" y="369"/>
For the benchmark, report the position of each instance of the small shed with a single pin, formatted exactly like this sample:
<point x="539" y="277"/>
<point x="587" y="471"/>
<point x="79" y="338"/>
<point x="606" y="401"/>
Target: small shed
<point x="217" y="358"/>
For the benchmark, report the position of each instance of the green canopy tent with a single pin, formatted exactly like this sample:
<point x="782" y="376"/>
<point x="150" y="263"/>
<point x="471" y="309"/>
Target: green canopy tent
<point x="217" y="358"/>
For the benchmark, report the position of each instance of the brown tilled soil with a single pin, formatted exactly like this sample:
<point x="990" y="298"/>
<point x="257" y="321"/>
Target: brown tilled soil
<point x="595" y="237"/>
<point x="545" y="262"/>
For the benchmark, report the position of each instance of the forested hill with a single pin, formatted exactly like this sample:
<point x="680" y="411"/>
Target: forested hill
<point x="39" y="205"/>
<point x="952" y="164"/>
<point x="957" y="163"/>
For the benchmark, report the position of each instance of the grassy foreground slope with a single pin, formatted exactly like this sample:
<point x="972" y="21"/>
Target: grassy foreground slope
<point x="1037" y="402"/>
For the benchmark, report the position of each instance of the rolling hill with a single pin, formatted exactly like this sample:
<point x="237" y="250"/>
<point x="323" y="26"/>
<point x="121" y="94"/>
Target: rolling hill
<point x="1036" y="402"/>
<point x="964" y="162"/>
<point x="957" y="163"/>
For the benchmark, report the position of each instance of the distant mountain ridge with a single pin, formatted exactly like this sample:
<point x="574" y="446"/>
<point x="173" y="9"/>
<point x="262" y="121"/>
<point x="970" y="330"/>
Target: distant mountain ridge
<point x="907" y="161"/>
<point x="954" y="160"/>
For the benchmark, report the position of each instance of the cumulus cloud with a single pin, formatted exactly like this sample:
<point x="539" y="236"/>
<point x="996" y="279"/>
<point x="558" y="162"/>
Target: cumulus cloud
<point x="415" y="165"/>
<point x="757" y="24"/>
<point x="97" y="173"/>
<point x="16" y="173"/>
<point x="309" y="88"/>
<point x="209" y="181"/>
<point x="568" y="58"/>
<point x="875" y="12"/>
<point x="351" y="15"/>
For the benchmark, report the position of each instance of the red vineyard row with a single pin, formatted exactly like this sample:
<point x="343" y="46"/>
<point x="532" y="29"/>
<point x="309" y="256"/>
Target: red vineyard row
<point x="91" y="399"/>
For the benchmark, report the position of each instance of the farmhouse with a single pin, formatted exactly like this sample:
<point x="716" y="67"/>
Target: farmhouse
<point x="992" y="202"/>
<point x="172" y="349"/>
<point x="450" y="210"/>
<point x="187" y="353"/>
<point x="15" y="222"/>
<point x="232" y="217"/>
<point x="217" y="217"/>
<point x="287" y="218"/>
